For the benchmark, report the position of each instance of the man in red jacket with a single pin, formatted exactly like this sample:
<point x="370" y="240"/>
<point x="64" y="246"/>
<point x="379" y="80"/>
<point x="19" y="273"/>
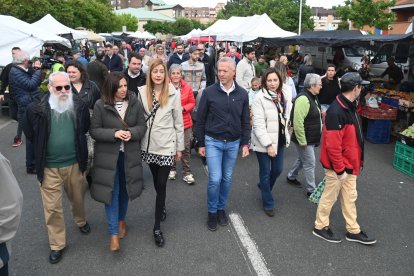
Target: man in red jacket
<point x="342" y="155"/>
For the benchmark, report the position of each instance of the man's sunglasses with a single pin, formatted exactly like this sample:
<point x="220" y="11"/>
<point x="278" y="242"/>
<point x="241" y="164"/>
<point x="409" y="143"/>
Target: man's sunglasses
<point x="59" y="87"/>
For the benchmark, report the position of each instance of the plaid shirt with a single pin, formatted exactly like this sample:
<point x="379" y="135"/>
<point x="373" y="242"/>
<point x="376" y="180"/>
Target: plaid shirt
<point x="194" y="74"/>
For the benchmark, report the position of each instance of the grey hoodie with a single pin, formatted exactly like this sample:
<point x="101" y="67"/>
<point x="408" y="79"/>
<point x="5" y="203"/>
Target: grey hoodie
<point x="11" y="203"/>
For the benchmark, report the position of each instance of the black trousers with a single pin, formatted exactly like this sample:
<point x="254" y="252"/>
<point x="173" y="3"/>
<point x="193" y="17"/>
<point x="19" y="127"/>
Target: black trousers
<point x="160" y="177"/>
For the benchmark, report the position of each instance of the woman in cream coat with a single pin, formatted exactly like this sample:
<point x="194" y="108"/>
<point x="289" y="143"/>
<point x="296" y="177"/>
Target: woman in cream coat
<point x="271" y="112"/>
<point x="164" y="140"/>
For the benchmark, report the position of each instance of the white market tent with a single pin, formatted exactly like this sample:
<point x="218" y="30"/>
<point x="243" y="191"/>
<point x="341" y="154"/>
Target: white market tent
<point x="242" y="29"/>
<point x="142" y="35"/>
<point x="17" y="33"/>
<point x="193" y="33"/>
<point x="50" y="24"/>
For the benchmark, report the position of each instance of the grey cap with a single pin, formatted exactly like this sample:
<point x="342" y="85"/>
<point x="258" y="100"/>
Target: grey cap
<point x="350" y="80"/>
<point x="192" y="49"/>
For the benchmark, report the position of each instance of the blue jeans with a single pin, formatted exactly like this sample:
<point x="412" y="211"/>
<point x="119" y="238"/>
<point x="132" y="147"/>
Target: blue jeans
<point x="117" y="210"/>
<point x="269" y="170"/>
<point x="221" y="158"/>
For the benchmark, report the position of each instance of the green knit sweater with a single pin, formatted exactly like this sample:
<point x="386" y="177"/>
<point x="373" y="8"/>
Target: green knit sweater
<point x="61" y="149"/>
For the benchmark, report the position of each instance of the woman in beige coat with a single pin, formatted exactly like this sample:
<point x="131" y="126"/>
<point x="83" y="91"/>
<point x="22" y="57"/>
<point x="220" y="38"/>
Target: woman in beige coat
<point x="271" y="112"/>
<point x="164" y="139"/>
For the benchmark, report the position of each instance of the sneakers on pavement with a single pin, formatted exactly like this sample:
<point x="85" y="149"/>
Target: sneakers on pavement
<point x="172" y="175"/>
<point x="189" y="179"/>
<point x="326" y="234"/>
<point x="222" y="218"/>
<point x="212" y="221"/>
<point x="361" y="237"/>
<point x="17" y="142"/>
<point x="294" y="182"/>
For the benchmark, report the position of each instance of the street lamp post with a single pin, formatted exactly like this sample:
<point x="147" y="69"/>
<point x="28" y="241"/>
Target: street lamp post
<point x="300" y="18"/>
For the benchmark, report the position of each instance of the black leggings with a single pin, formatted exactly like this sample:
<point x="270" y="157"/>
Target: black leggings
<point x="160" y="177"/>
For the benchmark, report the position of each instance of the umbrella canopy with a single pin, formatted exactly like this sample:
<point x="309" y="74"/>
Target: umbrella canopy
<point x="17" y="33"/>
<point x="49" y="23"/>
<point x="93" y="37"/>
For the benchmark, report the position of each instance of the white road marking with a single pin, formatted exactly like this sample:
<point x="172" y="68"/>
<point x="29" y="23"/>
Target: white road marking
<point x="255" y="257"/>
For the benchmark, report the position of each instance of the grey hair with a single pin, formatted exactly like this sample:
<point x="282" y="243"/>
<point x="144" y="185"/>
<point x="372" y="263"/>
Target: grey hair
<point x="233" y="48"/>
<point x="55" y="74"/>
<point x="20" y="57"/>
<point x="175" y="66"/>
<point x="227" y="60"/>
<point x="308" y="60"/>
<point x="311" y="79"/>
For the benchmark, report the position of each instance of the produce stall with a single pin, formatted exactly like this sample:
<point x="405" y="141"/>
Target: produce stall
<point x="388" y="112"/>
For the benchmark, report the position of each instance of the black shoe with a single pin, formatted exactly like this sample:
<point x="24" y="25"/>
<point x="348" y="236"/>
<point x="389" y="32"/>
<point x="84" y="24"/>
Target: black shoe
<point x="31" y="171"/>
<point x="270" y="213"/>
<point x="212" y="221"/>
<point x="163" y="214"/>
<point x="308" y="194"/>
<point x="361" y="237"/>
<point x="326" y="234"/>
<point x="158" y="238"/>
<point x="86" y="229"/>
<point x="55" y="256"/>
<point x="222" y="218"/>
<point x="294" y="182"/>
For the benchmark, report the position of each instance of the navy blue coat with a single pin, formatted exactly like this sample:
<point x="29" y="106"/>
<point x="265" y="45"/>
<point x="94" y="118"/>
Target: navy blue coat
<point x="175" y="59"/>
<point x="25" y="85"/>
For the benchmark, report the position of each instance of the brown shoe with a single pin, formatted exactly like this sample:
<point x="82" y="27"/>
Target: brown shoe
<point x="122" y="229"/>
<point x="114" y="245"/>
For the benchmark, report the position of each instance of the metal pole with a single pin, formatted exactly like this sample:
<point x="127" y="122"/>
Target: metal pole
<point x="300" y="18"/>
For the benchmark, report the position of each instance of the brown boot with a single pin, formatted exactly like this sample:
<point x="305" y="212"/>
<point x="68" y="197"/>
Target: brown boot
<point x="114" y="245"/>
<point x="122" y="229"/>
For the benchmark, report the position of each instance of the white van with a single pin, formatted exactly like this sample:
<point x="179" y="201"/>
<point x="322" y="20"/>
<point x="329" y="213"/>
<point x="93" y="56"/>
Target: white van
<point x="399" y="50"/>
<point x="322" y="56"/>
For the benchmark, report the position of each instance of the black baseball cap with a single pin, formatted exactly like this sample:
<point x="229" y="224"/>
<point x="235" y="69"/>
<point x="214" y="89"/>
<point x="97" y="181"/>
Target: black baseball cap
<point x="350" y="80"/>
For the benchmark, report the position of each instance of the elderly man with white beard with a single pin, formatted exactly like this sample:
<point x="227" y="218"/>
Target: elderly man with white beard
<point x="57" y="126"/>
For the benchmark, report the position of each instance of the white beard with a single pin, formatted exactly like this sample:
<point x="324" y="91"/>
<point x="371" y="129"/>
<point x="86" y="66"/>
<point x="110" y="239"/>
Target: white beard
<point x="60" y="105"/>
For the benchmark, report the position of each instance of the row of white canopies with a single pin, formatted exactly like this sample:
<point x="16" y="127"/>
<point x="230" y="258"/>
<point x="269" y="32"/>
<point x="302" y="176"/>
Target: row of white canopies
<point x="241" y="29"/>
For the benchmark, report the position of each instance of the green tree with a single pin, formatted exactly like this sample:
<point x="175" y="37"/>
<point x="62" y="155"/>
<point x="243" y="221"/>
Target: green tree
<point x="157" y="27"/>
<point x="284" y="13"/>
<point x="367" y="13"/>
<point x="182" y="26"/>
<point x="131" y="22"/>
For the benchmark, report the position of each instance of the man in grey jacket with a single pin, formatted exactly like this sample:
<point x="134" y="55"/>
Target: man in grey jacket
<point x="11" y="203"/>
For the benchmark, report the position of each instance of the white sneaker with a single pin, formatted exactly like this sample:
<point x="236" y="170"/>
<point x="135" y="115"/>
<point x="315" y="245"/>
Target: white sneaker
<point x="172" y="175"/>
<point x="189" y="179"/>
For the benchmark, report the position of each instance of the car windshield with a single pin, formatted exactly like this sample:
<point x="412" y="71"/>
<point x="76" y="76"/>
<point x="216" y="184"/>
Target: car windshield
<point x="354" y="51"/>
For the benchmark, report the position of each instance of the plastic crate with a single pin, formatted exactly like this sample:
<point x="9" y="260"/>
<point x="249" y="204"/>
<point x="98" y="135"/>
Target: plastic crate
<point x="379" y="131"/>
<point x="406" y="140"/>
<point x="403" y="164"/>
<point x="404" y="151"/>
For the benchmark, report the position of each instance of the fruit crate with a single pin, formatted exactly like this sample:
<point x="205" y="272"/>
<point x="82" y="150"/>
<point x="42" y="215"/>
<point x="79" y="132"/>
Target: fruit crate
<point x="384" y="112"/>
<point x="406" y="140"/>
<point x="404" y="151"/>
<point x="379" y="131"/>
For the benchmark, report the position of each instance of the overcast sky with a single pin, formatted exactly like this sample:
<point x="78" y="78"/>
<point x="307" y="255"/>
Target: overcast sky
<point x="212" y="3"/>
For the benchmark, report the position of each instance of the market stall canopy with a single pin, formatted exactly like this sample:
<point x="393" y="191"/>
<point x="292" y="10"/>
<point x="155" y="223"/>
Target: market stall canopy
<point x="193" y="33"/>
<point x="109" y="37"/>
<point x="49" y="23"/>
<point x="242" y="29"/>
<point x="93" y="37"/>
<point x="142" y="35"/>
<point x="327" y="38"/>
<point x="17" y="33"/>
<point x="335" y="39"/>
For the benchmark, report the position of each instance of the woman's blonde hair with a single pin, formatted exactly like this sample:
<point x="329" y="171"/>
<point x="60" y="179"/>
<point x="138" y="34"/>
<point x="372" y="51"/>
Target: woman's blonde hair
<point x="150" y="85"/>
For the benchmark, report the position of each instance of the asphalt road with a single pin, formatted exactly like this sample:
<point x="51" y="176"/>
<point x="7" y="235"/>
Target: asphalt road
<point x="285" y="242"/>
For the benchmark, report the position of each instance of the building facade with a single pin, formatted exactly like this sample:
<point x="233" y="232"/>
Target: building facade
<point x="325" y="19"/>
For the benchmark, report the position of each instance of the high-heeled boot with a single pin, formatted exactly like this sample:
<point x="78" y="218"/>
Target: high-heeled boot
<point x="114" y="245"/>
<point x="122" y="229"/>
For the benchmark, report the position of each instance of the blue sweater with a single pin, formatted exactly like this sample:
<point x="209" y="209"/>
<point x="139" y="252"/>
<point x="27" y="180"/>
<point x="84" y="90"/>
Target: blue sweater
<point x="223" y="116"/>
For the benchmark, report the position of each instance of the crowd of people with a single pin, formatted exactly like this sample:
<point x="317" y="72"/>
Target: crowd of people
<point x="102" y="119"/>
